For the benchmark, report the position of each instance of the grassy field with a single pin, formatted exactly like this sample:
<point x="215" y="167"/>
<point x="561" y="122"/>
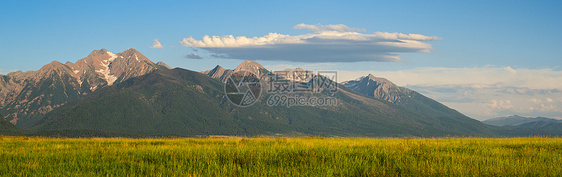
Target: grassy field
<point x="280" y="157"/>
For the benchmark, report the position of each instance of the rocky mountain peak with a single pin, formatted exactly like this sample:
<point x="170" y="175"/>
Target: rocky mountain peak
<point x="98" y="52"/>
<point x="376" y="87"/>
<point x="132" y="55"/>
<point x="131" y="50"/>
<point x="218" y="73"/>
<point x="380" y="80"/>
<point x="52" y="65"/>
<point x="160" y="63"/>
<point x="217" y="68"/>
<point x="49" y="69"/>
<point x="249" y="65"/>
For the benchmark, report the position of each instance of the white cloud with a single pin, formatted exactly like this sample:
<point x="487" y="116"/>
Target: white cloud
<point x="156" y="44"/>
<point x="329" y="43"/>
<point x="535" y="100"/>
<point x="501" y="104"/>
<point x="548" y="107"/>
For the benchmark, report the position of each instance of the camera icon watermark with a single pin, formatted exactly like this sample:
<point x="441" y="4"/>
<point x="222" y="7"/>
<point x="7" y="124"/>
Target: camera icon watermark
<point x="243" y="88"/>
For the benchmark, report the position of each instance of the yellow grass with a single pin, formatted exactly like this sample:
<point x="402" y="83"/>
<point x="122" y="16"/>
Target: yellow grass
<point x="281" y="157"/>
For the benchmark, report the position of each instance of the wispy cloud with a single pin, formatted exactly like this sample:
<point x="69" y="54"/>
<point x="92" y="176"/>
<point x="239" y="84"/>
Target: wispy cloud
<point x="311" y="66"/>
<point x="156" y="44"/>
<point x="192" y="56"/>
<point x="475" y="76"/>
<point x="339" y="27"/>
<point x="329" y="43"/>
<point x="221" y="56"/>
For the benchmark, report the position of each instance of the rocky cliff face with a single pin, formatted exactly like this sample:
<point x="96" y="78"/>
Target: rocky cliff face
<point x="27" y="96"/>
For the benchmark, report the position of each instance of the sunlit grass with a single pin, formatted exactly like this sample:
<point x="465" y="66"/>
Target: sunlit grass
<point x="280" y="156"/>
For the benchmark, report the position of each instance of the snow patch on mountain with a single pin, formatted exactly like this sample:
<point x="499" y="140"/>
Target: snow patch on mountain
<point x="106" y="70"/>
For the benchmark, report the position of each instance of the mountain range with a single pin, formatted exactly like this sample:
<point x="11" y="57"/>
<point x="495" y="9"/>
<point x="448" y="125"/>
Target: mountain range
<point x="528" y="125"/>
<point x="126" y="94"/>
<point x="516" y="120"/>
<point x="28" y="96"/>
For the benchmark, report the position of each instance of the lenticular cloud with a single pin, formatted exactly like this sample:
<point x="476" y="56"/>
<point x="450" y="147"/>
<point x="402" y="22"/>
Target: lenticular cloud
<point x="328" y="43"/>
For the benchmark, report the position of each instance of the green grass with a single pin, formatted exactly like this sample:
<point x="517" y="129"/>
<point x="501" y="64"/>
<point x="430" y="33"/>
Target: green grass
<point x="31" y="156"/>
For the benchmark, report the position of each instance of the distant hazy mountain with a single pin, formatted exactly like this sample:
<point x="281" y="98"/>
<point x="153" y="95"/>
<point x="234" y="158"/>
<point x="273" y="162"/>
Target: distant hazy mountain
<point x="544" y="124"/>
<point x="28" y="96"/>
<point x="516" y="120"/>
<point x="526" y="126"/>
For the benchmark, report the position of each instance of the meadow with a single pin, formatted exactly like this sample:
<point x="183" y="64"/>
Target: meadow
<point x="36" y="156"/>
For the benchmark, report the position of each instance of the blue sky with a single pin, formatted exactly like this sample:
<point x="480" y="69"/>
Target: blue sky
<point x="476" y="37"/>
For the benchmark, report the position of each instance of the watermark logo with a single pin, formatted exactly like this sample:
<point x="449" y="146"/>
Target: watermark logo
<point x="296" y="100"/>
<point x="286" y="88"/>
<point x="243" y="88"/>
<point x="302" y="82"/>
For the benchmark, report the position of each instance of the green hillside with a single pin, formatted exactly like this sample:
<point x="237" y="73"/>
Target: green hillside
<point x="180" y="102"/>
<point x="4" y="124"/>
<point x="7" y="128"/>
